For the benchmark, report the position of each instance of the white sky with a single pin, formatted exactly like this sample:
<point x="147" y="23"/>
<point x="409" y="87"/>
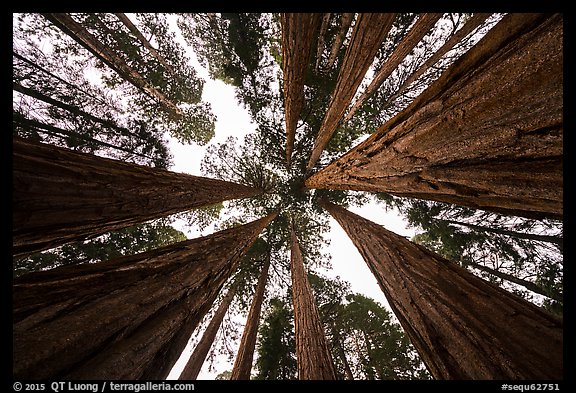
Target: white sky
<point x="234" y="120"/>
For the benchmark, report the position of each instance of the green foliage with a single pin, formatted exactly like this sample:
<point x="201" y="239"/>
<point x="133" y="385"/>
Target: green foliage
<point x="361" y="334"/>
<point x="127" y="241"/>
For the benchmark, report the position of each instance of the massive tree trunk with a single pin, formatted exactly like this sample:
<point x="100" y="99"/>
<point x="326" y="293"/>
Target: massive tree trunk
<point x="422" y="26"/>
<point x="60" y="196"/>
<point x="312" y="353"/>
<point x="367" y="36"/>
<point x="198" y="356"/>
<point x="126" y="318"/>
<point x="476" y="20"/>
<point x="487" y="134"/>
<point x="462" y="326"/>
<point x="134" y="30"/>
<point x="77" y="32"/>
<point x="345" y="22"/>
<point x="243" y="363"/>
<point x="298" y="35"/>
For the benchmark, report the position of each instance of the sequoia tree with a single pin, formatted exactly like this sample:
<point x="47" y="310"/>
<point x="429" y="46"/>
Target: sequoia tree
<point x="126" y="318"/>
<point x="60" y="196"/>
<point x="367" y="36"/>
<point x="198" y="356"/>
<point x="504" y="98"/>
<point x="243" y="363"/>
<point x="313" y="355"/>
<point x="462" y="326"/>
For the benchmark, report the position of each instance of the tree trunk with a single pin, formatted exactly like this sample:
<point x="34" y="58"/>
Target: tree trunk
<point x="126" y="318"/>
<point x="312" y="353"/>
<point x="487" y="134"/>
<point x="422" y="26"/>
<point x="72" y="109"/>
<point x="60" y="196"/>
<point x="75" y="30"/>
<point x="243" y="364"/>
<point x="340" y="350"/>
<point x="36" y="126"/>
<point x="321" y="39"/>
<point x="462" y="326"/>
<point x="134" y="30"/>
<point x="298" y="35"/>
<point x="476" y="20"/>
<point x="558" y="241"/>
<point x="345" y="23"/>
<point x="367" y="36"/>
<point x="526" y="284"/>
<point x="198" y="356"/>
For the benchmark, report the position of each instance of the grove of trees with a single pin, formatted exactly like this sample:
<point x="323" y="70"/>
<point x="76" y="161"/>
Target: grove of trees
<point x="454" y="120"/>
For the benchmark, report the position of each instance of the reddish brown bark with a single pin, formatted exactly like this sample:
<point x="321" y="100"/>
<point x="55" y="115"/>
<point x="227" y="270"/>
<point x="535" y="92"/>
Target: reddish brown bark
<point x="198" y="356"/>
<point x="462" y="326"/>
<point x="367" y="36"/>
<point x="60" y="196"/>
<point x="422" y="26"/>
<point x="487" y="134"/>
<point x="126" y="318"/>
<point x="243" y="363"/>
<point x="298" y="36"/>
<point x="312" y="354"/>
<point x="77" y="32"/>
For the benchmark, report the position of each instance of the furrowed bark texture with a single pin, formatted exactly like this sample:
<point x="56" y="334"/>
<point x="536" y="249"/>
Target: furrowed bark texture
<point x="298" y="35"/>
<point x="462" y="326"/>
<point x="126" y="318"/>
<point x="198" y="356"/>
<point x="321" y="36"/>
<point x="79" y="34"/>
<point x="422" y="26"/>
<point x="476" y="20"/>
<point x="60" y="196"/>
<point x="312" y="354"/>
<point x="367" y="36"/>
<point x="243" y="363"/>
<point x="487" y="134"/>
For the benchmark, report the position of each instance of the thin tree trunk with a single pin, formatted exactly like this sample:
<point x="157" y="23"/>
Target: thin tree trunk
<point x="558" y="241"/>
<point x="321" y="39"/>
<point x="298" y="35"/>
<point x="126" y="318"/>
<point x="476" y="20"/>
<point x="60" y="196"/>
<point x="345" y="23"/>
<point x="134" y="30"/>
<point x="526" y="284"/>
<point x="37" y="126"/>
<point x="312" y="354"/>
<point x="341" y="353"/>
<point x="75" y="30"/>
<point x="422" y="26"/>
<point x="71" y="108"/>
<point x="243" y="363"/>
<point x="198" y="356"/>
<point x="462" y="326"/>
<point x="487" y="134"/>
<point x="76" y="87"/>
<point x="369" y="32"/>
